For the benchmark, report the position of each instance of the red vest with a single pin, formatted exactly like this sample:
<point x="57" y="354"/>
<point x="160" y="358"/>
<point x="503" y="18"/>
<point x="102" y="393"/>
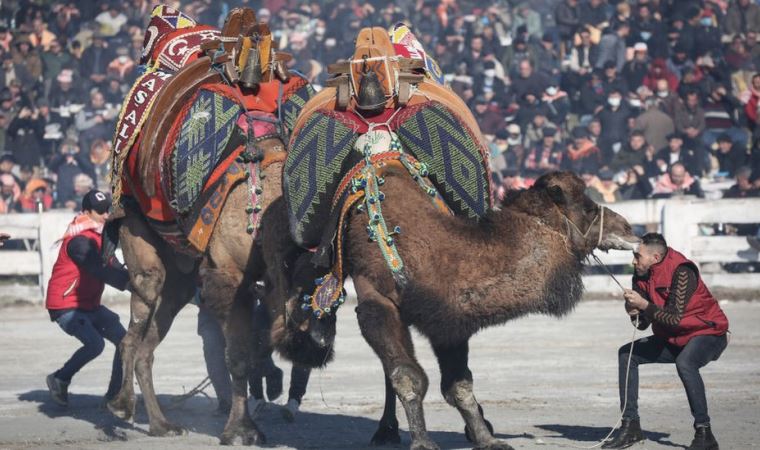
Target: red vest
<point x="70" y="286"/>
<point x="703" y="315"/>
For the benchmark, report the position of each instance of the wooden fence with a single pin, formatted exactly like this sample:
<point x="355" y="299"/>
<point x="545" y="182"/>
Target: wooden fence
<point x="684" y="223"/>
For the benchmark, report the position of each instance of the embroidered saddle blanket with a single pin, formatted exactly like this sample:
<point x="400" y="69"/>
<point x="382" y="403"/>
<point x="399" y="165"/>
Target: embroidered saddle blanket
<point x="433" y="125"/>
<point x="200" y="127"/>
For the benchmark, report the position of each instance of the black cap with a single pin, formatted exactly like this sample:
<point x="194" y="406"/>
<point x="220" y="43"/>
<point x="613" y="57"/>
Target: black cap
<point x="97" y="201"/>
<point x="579" y="132"/>
<point x="725" y="137"/>
<point x="550" y="132"/>
<point x="674" y="136"/>
<point x="609" y="65"/>
<point x="606" y="174"/>
<point x="501" y="133"/>
<point x="7" y="157"/>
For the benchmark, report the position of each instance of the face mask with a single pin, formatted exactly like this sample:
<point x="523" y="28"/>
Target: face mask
<point x="490" y="73"/>
<point x="662" y="94"/>
<point x="636" y="103"/>
<point x="706" y="21"/>
<point x="330" y="42"/>
<point x="645" y="35"/>
<point x="123" y="59"/>
<point x="319" y="30"/>
<point x="551" y="90"/>
<point x="513" y="141"/>
<point x="614" y="101"/>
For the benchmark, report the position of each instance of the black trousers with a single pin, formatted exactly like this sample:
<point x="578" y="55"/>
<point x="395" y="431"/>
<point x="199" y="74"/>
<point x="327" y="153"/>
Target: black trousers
<point x="688" y="359"/>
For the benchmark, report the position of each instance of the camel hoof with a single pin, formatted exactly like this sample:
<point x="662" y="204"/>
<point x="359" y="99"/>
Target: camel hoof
<point x="290" y="410"/>
<point x="495" y="445"/>
<point x="468" y="433"/>
<point x="243" y="437"/>
<point x="166" y="429"/>
<point x="121" y="407"/>
<point x="386" y="435"/>
<point x="424" y="444"/>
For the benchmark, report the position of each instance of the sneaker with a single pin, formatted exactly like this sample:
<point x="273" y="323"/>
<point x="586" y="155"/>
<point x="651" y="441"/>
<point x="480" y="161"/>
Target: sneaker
<point x="59" y="390"/>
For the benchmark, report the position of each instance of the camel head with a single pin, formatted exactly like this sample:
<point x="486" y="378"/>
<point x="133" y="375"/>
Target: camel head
<point x="297" y="334"/>
<point x="587" y="224"/>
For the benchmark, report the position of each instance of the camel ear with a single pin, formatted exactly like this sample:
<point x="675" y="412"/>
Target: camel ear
<point x="556" y="194"/>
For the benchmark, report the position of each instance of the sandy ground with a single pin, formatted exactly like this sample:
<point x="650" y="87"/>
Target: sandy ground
<point x="544" y="383"/>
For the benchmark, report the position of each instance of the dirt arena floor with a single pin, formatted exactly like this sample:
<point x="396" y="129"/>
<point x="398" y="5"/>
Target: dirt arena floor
<point x="544" y="383"/>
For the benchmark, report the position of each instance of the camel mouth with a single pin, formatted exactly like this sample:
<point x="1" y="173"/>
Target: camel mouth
<point x="614" y="242"/>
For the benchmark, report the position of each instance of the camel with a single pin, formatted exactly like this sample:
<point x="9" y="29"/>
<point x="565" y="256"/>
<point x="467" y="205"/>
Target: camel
<point x="461" y="277"/>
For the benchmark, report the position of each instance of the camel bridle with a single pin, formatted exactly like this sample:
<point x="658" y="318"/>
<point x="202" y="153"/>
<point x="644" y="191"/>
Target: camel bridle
<point x="599" y="216"/>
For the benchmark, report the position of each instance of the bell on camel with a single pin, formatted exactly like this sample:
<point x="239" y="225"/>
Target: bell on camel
<point x="251" y="76"/>
<point x="371" y="98"/>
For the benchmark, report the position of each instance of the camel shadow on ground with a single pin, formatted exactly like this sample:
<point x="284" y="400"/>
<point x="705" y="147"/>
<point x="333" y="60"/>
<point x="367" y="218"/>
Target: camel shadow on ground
<point x="198" y="415"/>
<point x="587" y="435"/>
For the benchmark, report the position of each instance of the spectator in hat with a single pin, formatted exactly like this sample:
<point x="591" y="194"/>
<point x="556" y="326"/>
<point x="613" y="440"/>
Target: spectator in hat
<point x="582" y="155"/>
<point x="611" y="81"/>
<point x="69" y="163"/>
<point x="37" y="196"/>
<point x="10" y="194"/>
<point x="676" y="153"/>
<point x="604" y="189"/>
<point x="536" y="127"/>
<point x="74" y="294"/>
<point x="612" y="46"/>
<point x="489" y="84"/>
<point x="594" y="13"/>
<point x="679" y="62"/>
<point x="676" y="182"/>
<point x="567" y="17"/>
<point x="545" y="156"/>
<point x="548" y="59"/>
<point x="730" y="156"/>
<point x="742" y="16"/>
<point x="614" y="120"/>
<point x="487" y="117"/>
<point x="744" y="188"/>
<point x="14" y="72"/>
<point x="654" y="123"/>
<point x="636" y="69"/>
<point x="26" y="55"/>
<point x="95" y="60"/>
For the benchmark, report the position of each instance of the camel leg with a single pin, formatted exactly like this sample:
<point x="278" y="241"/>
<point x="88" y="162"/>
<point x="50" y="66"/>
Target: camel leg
<point x="163" y="316"/>
<point x="382" y="328"/>
<point x="456" y="387"/>
<point x="387" y="429"/>
<point x="226" y="294"/>
<point x="140" y="246"/>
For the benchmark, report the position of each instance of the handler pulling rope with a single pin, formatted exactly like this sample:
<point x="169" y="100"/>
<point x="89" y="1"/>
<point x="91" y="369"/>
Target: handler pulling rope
<point x="628" y="366"/>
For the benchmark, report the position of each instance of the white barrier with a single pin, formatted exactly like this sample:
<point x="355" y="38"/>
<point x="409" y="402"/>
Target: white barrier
<point x="678" y="219"/>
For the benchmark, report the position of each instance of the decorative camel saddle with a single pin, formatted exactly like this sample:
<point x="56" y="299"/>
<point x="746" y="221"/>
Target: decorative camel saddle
<point x="384" y="107"/>
<point x="209" y="111"/>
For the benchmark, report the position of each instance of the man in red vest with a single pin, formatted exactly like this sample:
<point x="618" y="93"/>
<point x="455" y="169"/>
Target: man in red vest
<point x="689" y="331"/>
<point x="73" y="295"/>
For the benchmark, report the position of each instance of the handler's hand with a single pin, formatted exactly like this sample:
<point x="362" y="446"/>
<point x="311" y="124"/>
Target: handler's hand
<point x="635" y="300"/>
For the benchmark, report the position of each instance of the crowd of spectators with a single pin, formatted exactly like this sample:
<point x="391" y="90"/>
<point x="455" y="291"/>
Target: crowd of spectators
<point x="643" y="98"/>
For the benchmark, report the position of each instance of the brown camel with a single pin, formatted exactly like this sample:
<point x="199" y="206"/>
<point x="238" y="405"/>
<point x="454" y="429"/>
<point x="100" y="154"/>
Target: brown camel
<point x="165" y="281"/>
<point x="462" y="277"/>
